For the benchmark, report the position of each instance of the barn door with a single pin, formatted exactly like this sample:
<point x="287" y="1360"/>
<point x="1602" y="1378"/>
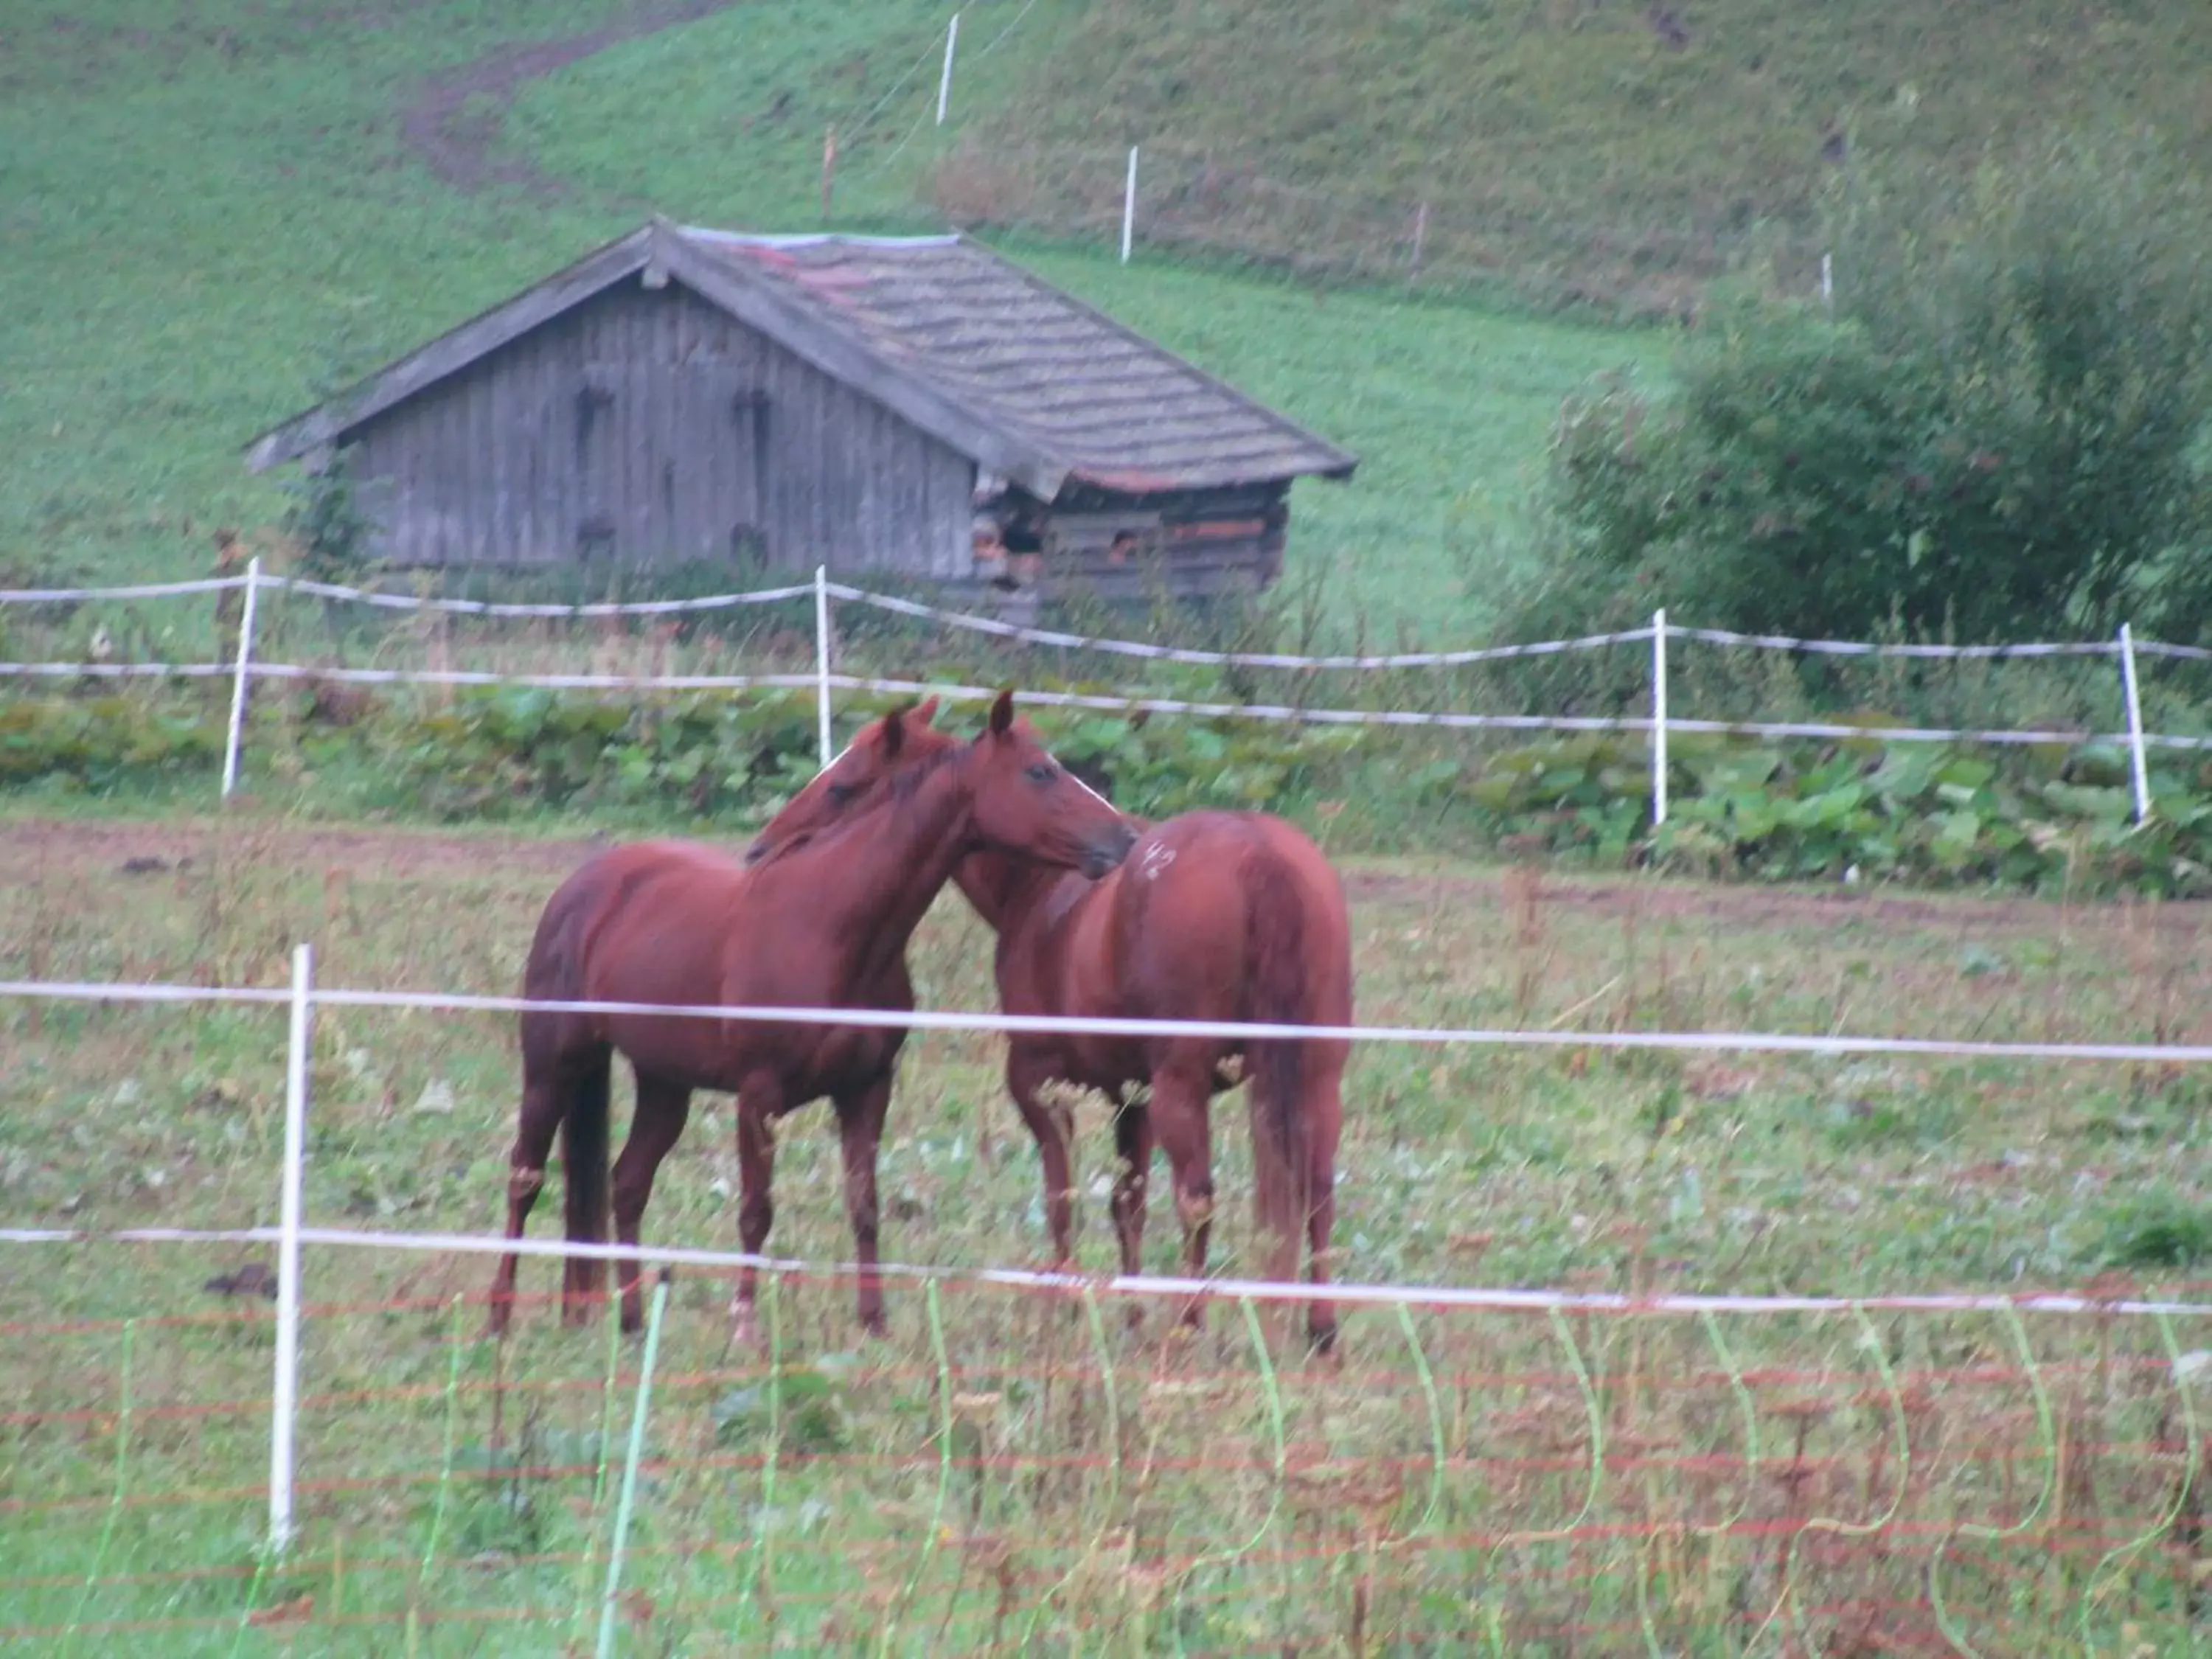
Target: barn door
<point x="668" y="464"/>
<point x="598" y="486"/>
<point x="710" y="479"/>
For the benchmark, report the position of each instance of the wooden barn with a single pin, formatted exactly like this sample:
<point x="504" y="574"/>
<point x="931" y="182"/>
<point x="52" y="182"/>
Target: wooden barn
<point x="916" y="406"/>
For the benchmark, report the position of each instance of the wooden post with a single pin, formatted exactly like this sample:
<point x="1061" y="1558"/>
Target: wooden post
<point x="1129" y="206"/>
<point x="2138" y="767"/>
<point x="237" y="733"/>
<point x="828" y="167"/>
<point x="822" y="659"/>
<point x="1658" y="718"/>
<point x="285" y="1391"/>
<point x="1421" y="233"/>
<point x="944" y="84"/>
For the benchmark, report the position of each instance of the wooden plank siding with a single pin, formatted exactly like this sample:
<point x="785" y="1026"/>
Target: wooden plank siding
<point x="645" y="426"/>
<point x="1198" y="544"/>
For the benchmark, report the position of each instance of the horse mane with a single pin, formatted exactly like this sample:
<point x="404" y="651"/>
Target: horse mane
<point x="782" y="849"/>
<point x="906" y="782"/>
<point x="899" y="790"/>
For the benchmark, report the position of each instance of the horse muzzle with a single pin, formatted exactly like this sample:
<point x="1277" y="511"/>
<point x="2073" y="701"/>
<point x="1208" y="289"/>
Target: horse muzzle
<point x="1105" y="854"/>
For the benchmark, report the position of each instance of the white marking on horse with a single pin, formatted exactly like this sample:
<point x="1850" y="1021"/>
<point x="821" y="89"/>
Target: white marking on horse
<point x="1157" y="858"/>
<point x="1088" y="790"/>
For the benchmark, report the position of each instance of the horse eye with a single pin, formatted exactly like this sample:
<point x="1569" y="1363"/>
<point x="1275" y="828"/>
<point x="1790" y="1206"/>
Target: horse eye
<point x="839" y="793"/>
<point x="1041" y="773"/>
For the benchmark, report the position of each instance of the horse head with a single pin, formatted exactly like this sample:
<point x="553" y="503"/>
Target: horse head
<point x="901" y="738"/>
<point x="1043" y="814"/>
<point x="1027" y="803"/>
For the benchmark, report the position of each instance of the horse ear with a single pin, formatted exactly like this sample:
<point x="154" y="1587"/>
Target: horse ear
<point x="925" y="712"/>
<point x="894" y="731"/>
<point x="1002" y="713"/>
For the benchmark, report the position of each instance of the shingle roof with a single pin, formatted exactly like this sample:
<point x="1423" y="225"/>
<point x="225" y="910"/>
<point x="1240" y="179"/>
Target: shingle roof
<point x="1026" y="379"/>
<point x="1109" y="406"/>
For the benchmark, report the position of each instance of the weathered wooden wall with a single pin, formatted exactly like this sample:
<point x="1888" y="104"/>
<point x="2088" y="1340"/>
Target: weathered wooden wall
<point x="646" y="426"/>
<point x="1125" y="551"/>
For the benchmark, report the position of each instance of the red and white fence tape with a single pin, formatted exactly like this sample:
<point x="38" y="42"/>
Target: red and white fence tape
<point x="1658" y="725"/>
<point x="1468" y="1298"/>
<point x="1829" y="1044"/>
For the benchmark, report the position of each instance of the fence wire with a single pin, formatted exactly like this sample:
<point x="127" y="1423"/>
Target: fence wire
<point x="763" y="656"/>
<point x="1014" y="1470"/>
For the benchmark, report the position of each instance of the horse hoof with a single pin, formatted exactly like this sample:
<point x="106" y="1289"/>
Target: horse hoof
<point x="1320" y="1339"/>
<point x="745" y="1325"/>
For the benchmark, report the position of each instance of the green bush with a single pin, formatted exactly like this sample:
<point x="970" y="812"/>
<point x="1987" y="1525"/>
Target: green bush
<point x="108" y="739"/>
<point x="324" y="517"/>
<point x="2002" y="433"/>
<point x="2033" y="818"/>
<point x="736" y="759"/>
<point x="2036" y="819"/>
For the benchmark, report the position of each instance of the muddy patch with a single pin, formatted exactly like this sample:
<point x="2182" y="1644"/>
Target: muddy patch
<point x="454" y="121"/>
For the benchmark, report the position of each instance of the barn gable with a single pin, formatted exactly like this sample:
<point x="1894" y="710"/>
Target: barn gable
<point x="689" y="393"/>
<point x="645" y="424"/>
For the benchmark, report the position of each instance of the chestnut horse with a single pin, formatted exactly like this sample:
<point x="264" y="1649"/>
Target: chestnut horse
<point x="824" y="924"/>
<point x="1231" y="917"/>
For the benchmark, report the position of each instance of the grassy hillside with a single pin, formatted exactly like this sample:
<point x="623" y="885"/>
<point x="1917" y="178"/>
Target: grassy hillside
<point x="202" y="223"/>
<point x="204" y="218"/>
<point x="1605" y="148"/>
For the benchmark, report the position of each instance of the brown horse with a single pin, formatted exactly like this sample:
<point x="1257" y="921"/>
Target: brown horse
<point x="1232" y="917"/>
<point x="824" y="924"/>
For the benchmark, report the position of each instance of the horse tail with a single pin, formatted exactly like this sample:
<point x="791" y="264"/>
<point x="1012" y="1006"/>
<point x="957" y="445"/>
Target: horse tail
<point x="584" y="1137"/>
<point x="570" y="1077"/>
<point x="1276" y="994"/>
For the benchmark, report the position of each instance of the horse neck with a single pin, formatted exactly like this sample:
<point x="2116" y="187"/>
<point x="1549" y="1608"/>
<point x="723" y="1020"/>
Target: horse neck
<point x="897" y="867"/>
<point x="1003" y="888"/>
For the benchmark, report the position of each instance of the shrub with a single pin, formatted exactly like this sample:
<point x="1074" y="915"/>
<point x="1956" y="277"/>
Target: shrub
<point x="2002" y="433"/>
<point x="325" y="519"/>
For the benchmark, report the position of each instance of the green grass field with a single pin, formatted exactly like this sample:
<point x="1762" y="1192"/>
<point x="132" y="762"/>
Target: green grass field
<point x="1609" y="151"/>
<point x="206" y="216"/>
<point x="210" y="217"/>
<point x="1006" y="1473"/>
<point x="209" y="221"/>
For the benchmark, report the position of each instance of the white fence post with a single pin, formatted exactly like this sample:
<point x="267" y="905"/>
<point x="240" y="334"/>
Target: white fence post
<point x="238" y="685"/>
<point x="2140" y="770"/>
<point x="822" y="658"/>
<point x="1828" y="282"/>
<point x="608" y="1603"/>
<point x="284" y="1402"/>
<point x="1658" y="718"/>
<point x="944" y="84"/>
<point x="1129" y="206"/>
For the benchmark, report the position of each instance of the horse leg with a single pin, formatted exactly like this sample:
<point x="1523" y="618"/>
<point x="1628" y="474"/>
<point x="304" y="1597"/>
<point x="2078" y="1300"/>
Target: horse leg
<point x="1027" y="1078"/>
<point x="662" y="1107"/>
<point x="758" y="1100"/>
<point x="551" y="1084"/>
<point x="860" y="1132"/>
<point x="1182" y="1089"/>
<point x="1133" y="1146"/>
<point x="1324" y="1117"/>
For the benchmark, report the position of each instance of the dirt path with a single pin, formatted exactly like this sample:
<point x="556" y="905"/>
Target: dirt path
<point x="458" y="141"/>
<point x="33" y="850"/>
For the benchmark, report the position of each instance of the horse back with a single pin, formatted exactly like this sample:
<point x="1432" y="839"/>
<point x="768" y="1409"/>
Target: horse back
<point x="1190" y="895"/>
<point x="644" y="922"/>
<point x="673" y="923"/>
